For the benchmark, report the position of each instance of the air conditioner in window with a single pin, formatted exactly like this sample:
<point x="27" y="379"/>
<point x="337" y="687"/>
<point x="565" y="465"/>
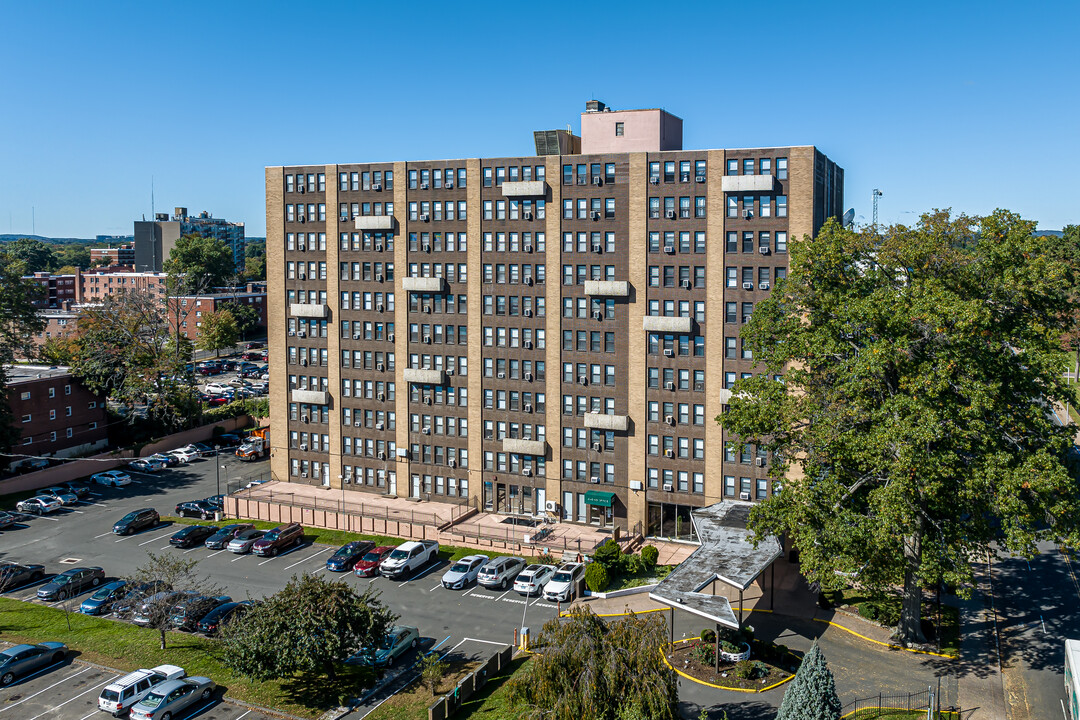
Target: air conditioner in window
<point x="760" y="462"/>
<point x="744" y="496"/>
<point x="380" y="366"/>
<point x="595" y="480"/>
<point x="748" y="286"/>
<point x="527" y="215"/>
<point x="655" y="180"/>
<point x="426" y="431"/>
<point x="378" y="277"/>
<point x="303" y="474"/>
<point x="344" y="218"/>
<point x="527" y="472"/>
<point x="528" y="377"/>
<point x="427" y="401"/>
<point x="582" y="380"/>
<point x="528" y="248"/>
<point x="671" y="214"/>
<point x="382" y="455"/>
<point x="427" y="339"/>
<point x="450" y="371"/>
<point x="670" y="352"/>
<point x="684" y="177"/>
<point x="527" y="407"/>
<point x="669" y="453"/>
<point x="379" y="248"/>
<point x="376" y="187"/>
<point x="699" y="387"/>
<point x="551" y="506"/>
<point x="669" y="419"/>
<point x="700" y="178"/>
<point x="303" y="276"/>
<point x="301" y="219"/>
<point x="529" y="281"/>
<point x="527" y="312"/>
<point x="598" y="447"/>
<point x="427" y="247"/>
<point x="423" y="186"/>
<point x="357" y="336"/>
<point x="449" y="184"/>
<point x="301" y="189"/>
<point x="748" y="214"/>
<point x="598" y="315"/>
<point x="303" y="418"/>
<point x="687" y="284"/>
<point x="764" y="249"/>
<point x="502" y="376"/>
<point x="302" y="247"/>
<point x="380" y="307"/>
<point x="746" y="319"/>
<point x="596" y="216"/>
<point x="390" y="337"/>
<point x="379" y="426"/>
<point x="292" y="333"/>
<point x="669" y="249"/>
<point x="669" y="385"/>
<point x="598" y="181"/>
<point x="452" y="463"/>
<point x="668" y="487"/>
<point x="763" y="286"/>
<point x="381" y="396"/>
<point x="427" y="309"/>
<point x="425" y="218"/>
<point x="302" y="333"/>
<point x="528" y="344"/>
<point x="303" y="361"/>
<point x="359" y="423"/>
<point x="598" y="248"/>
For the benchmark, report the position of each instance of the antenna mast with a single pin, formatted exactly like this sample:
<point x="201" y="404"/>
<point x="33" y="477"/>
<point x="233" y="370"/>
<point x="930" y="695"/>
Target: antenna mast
<point x="877" y="194"/>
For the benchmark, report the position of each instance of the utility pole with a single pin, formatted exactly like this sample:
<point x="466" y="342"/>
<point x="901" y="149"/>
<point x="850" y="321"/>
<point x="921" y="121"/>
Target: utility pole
<point x="877" y="194"/>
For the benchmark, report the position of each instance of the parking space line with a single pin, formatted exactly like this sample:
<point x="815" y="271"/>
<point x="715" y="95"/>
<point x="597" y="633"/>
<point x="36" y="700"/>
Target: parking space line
<point x="244" y="715"/>
<point x="435" y="588"/>
<point x="317" y="570"/>
<point x="538" y="599"/>
<point x="59" y="682"/>
<point x="239" y="557"/>
<point x="309" y="557"/>
<point x="214" y="554"/>
<point x="504" y="594"/>
<point x="103" y="535"/>
<point x="87" y="717"/>
<point x="147" y="542"/>
<point x="165" y="547"/>
<point x="48" y="518"/>
<point x="75" y="698"/>
<point x="287" y="552"/>
<point x="488" y="642"/>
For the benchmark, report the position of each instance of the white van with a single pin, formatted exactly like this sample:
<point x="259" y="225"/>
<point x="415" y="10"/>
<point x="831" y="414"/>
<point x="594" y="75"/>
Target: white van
<point x="118" y="697"/>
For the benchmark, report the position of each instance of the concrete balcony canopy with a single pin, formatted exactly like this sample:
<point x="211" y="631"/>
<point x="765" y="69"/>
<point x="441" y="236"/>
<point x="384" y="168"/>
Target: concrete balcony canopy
<point x="424" y="285"/>
<point x="600" y="421"/>
<point x="374" y="222"/>
<point x="312" y="397"/>
<point x="524" y="447"/>
<point x="424" y="377"/>
<point x="607" y="288"/>
<point x="655" y="323"/>
<point x="524" y="188"/>
<point x="748" y="183"/>
<point x="309" y="310"/>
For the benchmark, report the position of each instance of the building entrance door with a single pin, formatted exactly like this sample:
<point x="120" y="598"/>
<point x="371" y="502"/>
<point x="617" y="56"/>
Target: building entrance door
<point x="500" y="497"/>
<point x="415" y="486"/>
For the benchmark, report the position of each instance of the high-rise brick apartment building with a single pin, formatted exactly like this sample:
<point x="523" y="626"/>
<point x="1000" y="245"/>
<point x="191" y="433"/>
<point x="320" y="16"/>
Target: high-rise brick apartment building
<point x="552" y="332"/>
<point x="155" y="239"/>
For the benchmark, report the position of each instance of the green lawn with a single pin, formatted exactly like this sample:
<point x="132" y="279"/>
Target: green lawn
<point x="128" y="647"/>
<point x="624" y="582"/>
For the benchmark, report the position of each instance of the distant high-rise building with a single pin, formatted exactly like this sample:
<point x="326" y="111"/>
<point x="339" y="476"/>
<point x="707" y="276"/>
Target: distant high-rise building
<point x="154" y="239"/>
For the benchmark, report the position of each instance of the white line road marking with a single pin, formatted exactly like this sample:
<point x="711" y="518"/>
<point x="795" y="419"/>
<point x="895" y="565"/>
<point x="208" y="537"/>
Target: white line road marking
<point x="60" y="682"/>
<point x="519" y="602"/>
<point x="317" y="570"/>
<point x="538" y="599"/>
<point x="78" y="511"/>
<point x="48" y="518"/>
<point x="165" y="547"/>
<point x="75" y="698"/>
<point x="213" y="554"/>
<point x="103" y="535"/>
<point x="309" y="557"/>
<point x="287" y="552"/>
<point x="238" y="557"/>
<point x="87" y="717"/>
<point x="504" y="594"/>
<point x="488" y="642"/>
<point x="469" y="593"/>
<point x="435" y="588"/>
<point x="147" y="542"/>
<point x="244" y="715"/>
<point x="486" y="597"/>
<point x="197" y="547"/>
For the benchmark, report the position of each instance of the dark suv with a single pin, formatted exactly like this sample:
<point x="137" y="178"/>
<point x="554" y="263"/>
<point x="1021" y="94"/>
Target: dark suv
<point x="281" y="537"/>
<point x="136" y="520"/>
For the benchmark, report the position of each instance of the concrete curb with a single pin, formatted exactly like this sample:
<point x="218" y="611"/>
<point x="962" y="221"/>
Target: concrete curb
<point x="620" y="593"/>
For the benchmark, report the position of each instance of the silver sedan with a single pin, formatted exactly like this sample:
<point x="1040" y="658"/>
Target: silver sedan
<point x="169" y="699"/>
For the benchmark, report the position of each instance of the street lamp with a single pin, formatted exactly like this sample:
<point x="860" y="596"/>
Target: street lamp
<point x="217" y="467"/>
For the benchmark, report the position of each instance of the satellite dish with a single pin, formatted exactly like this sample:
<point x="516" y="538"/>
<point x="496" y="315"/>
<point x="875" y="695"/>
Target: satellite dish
<point x="849" y="217"/>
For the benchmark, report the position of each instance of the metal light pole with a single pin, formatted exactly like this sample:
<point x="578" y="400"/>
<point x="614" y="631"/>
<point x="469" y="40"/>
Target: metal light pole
<point x="217" y="467"/>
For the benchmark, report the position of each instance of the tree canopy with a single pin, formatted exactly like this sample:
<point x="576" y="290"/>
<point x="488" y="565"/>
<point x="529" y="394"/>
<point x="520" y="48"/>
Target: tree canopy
<point x="218" y="331"/>
<point x="21" y="323"/>
<point x="170" y="573"/>
<point x="37" y="256"/>
<point x="255" y="260"/>
<point x="913" y="428"/>
<point x="197" y="264"/>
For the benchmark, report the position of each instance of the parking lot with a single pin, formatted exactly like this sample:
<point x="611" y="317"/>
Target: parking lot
<point x="470" y="623"/>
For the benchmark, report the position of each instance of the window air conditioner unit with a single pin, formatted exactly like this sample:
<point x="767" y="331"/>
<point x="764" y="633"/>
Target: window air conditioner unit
<point x="669" y="419"/>
<point x="382" y="456"/>
<point x="380" y="366"/>
<point x="594" y="480"/>
<point x="528" y="345"/>
<point x="379" y="426"/>
<point x="599" y="315"/>
<point x="301" y="219"/>
<point x="700" y="178"/>
<point x="303" y="276"/>
<point x="425" y="218"/>
<point x="427" y="401"/>
<point x="598" y="249"/>
<point x="426" y="431"/>
<point x="551" y="506"/>
<point x="748" y="214"/>
<point x="596" y="216"/>
<point x="449" y="184"/>
<point x="655" y="180"/>
<point x="379" y="276"/>
<point x="427" y="309"/>
<point x="684" y="177"/>
<point x="450" y="371"/>
<point x="744" y="496"/>
<point x="427" y="339"/>
<point x="382" y="396"/>
<point x="302" y="247"/>
<point x="292" y="333"/>
<point x="527" y="312"/>
<point x="598" y="181"/>
<point x="670" y="352"/>
<point x="303" y="474"/>
<point x="669" y="453"/>
<point x="380" y="307"/>
<point x="528" y="248"/>
<point x="302" y="333"/>
<point x="527" y="407"/>
<point x="670" y="215"/>
<point x="529" y="281"/>
<point x="746" y="319"/>
<point x="527" y="472"/>
<point x="763" y="286"/>
<point x="764" y="250"/>
<point x="303" y="418"/>
<point x="581" y="180"/>
<point x="359" y="423"/>
<point x="390" y="337"/>
<point x="528" y="216"/>
<point x="582" y="380"/>
<point x="379" y="248"/>
<point x="427" y="246"/>
<point x="376" y="187"/>
<point x="598" y="447"/>
<point x="301" y="189"/>
<point x="423" y="186"/>
<point x="358" y="336"/>
<point x="452" y="463"/>
<point x="303" y="361"/>
<point x="687" y="284"/>
<point x="668" y="487"/>
<point x="748" y="286"/>
<point x="344" y="218"/>
<point x="528" y="378"/>
<point x="502" y="376"/>
<point x="760" y="462"/>
<point x="669" y="385"/>
<point x="669" y="249"/>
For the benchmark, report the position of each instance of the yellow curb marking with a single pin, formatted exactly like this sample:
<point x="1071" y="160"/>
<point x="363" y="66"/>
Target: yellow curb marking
<point x="719" y="687"/>
<point x="885" y="644"/>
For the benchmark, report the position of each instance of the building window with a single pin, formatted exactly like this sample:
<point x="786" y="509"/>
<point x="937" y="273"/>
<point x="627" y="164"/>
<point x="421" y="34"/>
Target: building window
<point x="618" y="129"/>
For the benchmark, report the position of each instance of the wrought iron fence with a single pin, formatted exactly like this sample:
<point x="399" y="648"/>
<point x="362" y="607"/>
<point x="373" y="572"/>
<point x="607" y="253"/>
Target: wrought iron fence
<point x="884" y="704"/>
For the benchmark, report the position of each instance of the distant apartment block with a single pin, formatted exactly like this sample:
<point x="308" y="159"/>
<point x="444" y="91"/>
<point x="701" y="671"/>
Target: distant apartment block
<point x="189" y="310"/>
<point x="154" y="239"/>
<point x="123" y="254"/>
<point x="552" y="333"/>
<point x="56" y="415"/>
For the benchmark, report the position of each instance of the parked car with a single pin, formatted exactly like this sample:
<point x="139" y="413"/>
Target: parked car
<point x="116" y="478"/>
<point x="170" y="698"/>
<point x="39" y="505"/>
<point x="101" y="602"/>
<point x="221" y="538"/>
<point x="254" y="345"/>
<point x="192" y="535"/>
<point x="278" y="539"/>
<point x="70" y="583"/>
<point x="157" y="607"/>
<point x="397" y="641"/>
<point x="184" y="455"/>
<point x="147" y="465"/>
<point x="222" y="616"/>
<point x="7" y="519"/>
<point x="217" y="501"/>
<point x="563" y="584"/>
<point x="244" y="540"/>
<point x="24" y="659"/>
<point x="215" y="388"/>
<point x="227" y="440"/>
<point x="368" y="566"/>
<point x="218" y="401"/>
<point x="30" y="465"/>
<point x="203" y="397"/>
<point x="62" y="494"/>
<point x="203" y="449"/>
<point x="348" y="555"/>
<point x="531" y="580"/>
<point x="196" y="508"/>
<point x="121" y="694"/>
<point x="500" y="572"/>
<point x="463" y="572"/>
<point x="252" y="355"/>
<point x="169" y="460"/>
<point x="136" y="520"/>
<point x="190" y="611"/>
<point x="137" y="594"/>
<point x="81" y="490"/>
<point x="14" y="575"/>
<point x="238" y="382"/>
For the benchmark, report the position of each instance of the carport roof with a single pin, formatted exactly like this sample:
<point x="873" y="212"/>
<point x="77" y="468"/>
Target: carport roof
<point x="726" y="554"/>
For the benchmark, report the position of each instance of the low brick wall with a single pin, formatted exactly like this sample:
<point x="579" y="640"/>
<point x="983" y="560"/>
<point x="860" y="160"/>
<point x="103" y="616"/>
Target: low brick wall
<point x="76" y="469"/>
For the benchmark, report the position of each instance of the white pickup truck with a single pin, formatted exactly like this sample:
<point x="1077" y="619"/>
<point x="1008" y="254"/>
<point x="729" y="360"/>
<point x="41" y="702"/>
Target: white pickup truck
<point x="409" y="557"/>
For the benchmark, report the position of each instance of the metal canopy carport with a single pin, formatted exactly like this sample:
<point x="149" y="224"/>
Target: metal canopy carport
<point x="726" y="554"/>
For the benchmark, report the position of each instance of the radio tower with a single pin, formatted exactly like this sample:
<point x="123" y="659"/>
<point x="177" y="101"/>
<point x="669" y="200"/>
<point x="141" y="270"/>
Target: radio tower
<point x="877" y="194"/>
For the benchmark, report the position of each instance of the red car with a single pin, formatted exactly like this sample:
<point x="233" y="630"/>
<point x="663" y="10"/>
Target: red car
<point x="217" y="400"/>
<point x="368" y="566"/>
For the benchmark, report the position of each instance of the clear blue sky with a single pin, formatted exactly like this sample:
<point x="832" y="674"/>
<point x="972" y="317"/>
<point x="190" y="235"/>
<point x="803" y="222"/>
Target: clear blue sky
<point x="964" y="105"/>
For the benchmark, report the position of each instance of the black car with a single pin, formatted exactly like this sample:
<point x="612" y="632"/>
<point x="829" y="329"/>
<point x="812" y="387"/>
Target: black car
<point x="221" y="538"/>
<point x="14" y="575"/>
<point x="136" y="520"/>
<point x="187" y="613"/>
<point x="348" y="555"/>
<point x="192" y="535"/>
<point x="217" y="501"/>
<point x="196" y="508"/>
<point x="70" y="583"/>
<point x="204" y="449"/>
<point x="227" y="440"/>
<point x="222" y="616"/>
<point x="81" y="490"/>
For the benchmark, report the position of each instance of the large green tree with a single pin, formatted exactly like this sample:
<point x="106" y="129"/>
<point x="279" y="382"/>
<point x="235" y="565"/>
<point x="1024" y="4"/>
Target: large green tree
<point x="247" y="317"/>
<point x="310" y="626"/>
<point x="255" y="260"/>
<point x="20" y="323"/>
<point x="587" y="667"/>
<point x="74" y="254"/>
<point x="912" y="430"/>
<point x="218" y="331"/>
<point x="197" y="264"/>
